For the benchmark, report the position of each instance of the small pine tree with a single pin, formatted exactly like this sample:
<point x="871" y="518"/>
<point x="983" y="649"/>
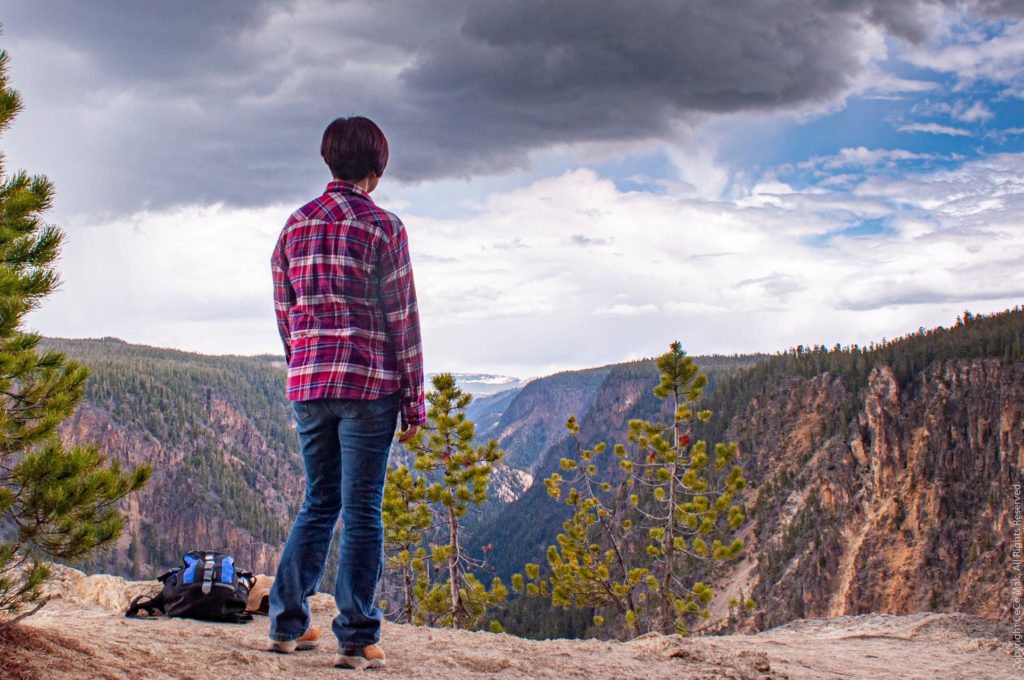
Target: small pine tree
<point x="453" y="474"/>
<point x="55" y="502"/>
<point x="630" y="544"/>
<point x="407" y="516"/>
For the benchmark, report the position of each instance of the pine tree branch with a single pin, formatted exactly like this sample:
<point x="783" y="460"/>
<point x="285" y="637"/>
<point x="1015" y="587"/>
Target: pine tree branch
<point x="15" y="565"/>
<point x="7" y="624"/>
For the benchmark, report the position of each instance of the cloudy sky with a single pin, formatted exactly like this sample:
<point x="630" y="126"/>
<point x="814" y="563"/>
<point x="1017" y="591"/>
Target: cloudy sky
<point x="582" y="181"/>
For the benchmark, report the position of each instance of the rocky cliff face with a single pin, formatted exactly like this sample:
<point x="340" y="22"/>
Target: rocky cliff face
<point x="535" y="418"/>
<point x="179" y="509"/>
<point x="894" y="499"/>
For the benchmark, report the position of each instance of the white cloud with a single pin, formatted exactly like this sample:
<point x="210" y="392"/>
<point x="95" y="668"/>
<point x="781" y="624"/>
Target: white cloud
<point x="882" y="85"/>
<point x="192" y="277"/>
<point x="960" y="110"/>
<point x="699" y="171"/>
<point x="977" y="111"/>
<point x="625" y="310"/>
<point x="862" y="158"/>
<point x="719" y="275"/>
<point x="973" y="56"/>
<point x="692" y="308"/>
<point x="935" y="129"/>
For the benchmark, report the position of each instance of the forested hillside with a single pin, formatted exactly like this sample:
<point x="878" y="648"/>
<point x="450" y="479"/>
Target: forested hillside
<point x="218" y="433"/>
<point x="880" y="477"/>
<point x="883" y="475"/>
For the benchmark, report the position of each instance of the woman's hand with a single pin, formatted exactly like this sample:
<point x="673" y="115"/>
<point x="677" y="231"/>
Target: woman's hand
<point x="408" y="433"/>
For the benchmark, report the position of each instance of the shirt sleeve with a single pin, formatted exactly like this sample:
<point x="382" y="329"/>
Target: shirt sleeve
<point x="398" y="299"/>
<point x="284" y="296"/>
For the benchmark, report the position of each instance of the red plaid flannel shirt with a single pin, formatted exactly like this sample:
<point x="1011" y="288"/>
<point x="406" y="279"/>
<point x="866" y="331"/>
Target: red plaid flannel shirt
<point x="346" y="303"/>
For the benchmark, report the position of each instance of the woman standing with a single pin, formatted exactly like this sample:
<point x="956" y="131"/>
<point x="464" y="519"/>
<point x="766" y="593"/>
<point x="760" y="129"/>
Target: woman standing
<point x="346" y="309"/>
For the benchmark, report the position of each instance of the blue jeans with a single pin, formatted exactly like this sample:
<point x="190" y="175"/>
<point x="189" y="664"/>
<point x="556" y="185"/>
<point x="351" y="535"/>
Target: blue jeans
<point x="345" y="445"/>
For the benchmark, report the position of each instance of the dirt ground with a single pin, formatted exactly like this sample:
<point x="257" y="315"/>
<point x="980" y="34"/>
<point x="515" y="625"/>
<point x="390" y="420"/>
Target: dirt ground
<point x="82" y="633"/>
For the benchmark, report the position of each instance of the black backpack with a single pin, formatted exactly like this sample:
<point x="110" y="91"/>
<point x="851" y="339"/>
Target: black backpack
<point x="207" y="587"/>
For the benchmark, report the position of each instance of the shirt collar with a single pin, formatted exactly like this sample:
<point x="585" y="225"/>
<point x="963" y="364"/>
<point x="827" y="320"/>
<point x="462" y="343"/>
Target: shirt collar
<point x="341" y="186"/>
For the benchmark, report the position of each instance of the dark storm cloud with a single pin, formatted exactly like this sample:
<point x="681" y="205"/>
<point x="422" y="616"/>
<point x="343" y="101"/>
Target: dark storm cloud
<point x="144" y="41"/>
<point x="225" y="101"/>
<point x="1000" y="8"/>
<point x="526" y="73"/>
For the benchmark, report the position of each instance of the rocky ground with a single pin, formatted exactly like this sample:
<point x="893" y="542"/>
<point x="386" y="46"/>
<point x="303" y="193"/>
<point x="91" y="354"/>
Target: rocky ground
<point x="82" y="633"/>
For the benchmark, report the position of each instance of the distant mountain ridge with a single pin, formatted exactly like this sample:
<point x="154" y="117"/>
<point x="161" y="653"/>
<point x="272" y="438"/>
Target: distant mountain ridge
<point x="483" y="384"/>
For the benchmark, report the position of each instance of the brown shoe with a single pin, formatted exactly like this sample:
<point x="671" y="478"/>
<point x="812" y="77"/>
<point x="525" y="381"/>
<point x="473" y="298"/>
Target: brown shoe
<point x="308" y="640"/>
<point x="361" y="659"/>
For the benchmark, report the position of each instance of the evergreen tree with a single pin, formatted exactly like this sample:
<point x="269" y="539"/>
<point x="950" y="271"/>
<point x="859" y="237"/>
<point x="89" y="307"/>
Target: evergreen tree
<point x="640" y="529"/>
<point x="437" y="586"/>
<point x="55" y="502"/>
<point x="407" y="516"/>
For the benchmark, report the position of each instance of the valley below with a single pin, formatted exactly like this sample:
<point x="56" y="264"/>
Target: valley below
<point x="880" y="479"/>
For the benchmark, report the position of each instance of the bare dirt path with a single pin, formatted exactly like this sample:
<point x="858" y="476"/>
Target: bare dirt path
<point x="83" y="634"/>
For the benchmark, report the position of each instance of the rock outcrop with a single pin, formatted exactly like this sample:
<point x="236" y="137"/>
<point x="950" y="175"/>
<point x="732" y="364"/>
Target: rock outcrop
<point x="83" y="633"/>
<point x="895" y="499"/>
<point x="177" y="510"/>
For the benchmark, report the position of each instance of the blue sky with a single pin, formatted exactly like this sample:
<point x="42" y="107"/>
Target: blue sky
<point x="576" y="194"/>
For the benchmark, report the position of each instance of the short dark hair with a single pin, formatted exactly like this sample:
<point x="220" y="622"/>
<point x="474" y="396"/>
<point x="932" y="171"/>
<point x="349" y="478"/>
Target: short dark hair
<point x="353" y="148"/>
